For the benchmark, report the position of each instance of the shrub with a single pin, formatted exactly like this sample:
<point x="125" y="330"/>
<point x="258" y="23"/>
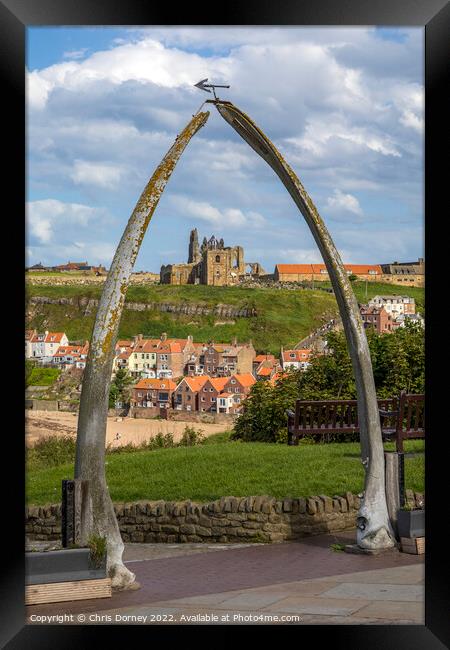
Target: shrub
<point x="51" y="451"/>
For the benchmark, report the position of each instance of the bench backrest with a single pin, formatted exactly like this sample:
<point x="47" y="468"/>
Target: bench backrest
<point x="337" y="416"/>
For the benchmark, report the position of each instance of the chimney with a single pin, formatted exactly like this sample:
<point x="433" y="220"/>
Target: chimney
<point x="234" y="341"/>
<point x="164" y="336"/>
<point x="190" y="338"/>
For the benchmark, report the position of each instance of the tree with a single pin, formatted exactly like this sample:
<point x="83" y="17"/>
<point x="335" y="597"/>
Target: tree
<point x="119" y="389"/>
<point x="374" y="529"/>
<point x="98" y="516"/>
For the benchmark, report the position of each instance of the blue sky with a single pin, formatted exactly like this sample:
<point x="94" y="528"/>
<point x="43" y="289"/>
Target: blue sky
<point x="343" y="105"/>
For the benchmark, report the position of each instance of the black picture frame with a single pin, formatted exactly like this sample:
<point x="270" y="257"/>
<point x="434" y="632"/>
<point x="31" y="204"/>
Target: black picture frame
<point x="433" y="15"/>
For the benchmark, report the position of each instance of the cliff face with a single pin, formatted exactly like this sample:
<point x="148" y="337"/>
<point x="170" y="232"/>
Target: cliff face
<point x="88" y="305"/>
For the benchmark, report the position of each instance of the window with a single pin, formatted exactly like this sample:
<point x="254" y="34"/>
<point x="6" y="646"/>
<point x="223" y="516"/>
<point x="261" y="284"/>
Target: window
<point x="213" y="399"/>
<point x="292" y="355"/>
<point x="203" y="399"/>
<point x="233" y="381"/>
<point x="217" y="258"/>
<point x="188" y="397"/>
<point x="211" y="390"/>
<point x="163" y="397"/>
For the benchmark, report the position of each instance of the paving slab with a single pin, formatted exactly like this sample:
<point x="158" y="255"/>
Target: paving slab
<point x="393" y="611"/>
<point x="317" y="605"/>
<point x="382" y="591"/>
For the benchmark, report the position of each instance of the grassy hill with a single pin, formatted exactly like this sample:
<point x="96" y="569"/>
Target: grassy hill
<point x="283" y="316"/>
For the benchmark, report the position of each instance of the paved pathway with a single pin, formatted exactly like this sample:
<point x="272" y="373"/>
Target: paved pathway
<point x="297" y="583"/>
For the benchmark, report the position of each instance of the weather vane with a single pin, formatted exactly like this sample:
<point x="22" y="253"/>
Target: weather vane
<point x="203" y="86"/>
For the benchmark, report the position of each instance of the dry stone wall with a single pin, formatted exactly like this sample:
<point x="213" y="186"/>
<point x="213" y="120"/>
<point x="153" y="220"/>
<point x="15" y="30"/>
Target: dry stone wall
<point x="229" y="519"/>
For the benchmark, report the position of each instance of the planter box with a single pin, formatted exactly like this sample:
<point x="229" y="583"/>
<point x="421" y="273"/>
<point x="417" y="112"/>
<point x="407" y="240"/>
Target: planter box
<point x="61" y="566"/>
<point x="413" y="545"/>
<point x="411" y="523"/>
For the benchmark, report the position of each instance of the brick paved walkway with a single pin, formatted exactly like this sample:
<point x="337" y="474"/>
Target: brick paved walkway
<point x="305" y="578"/>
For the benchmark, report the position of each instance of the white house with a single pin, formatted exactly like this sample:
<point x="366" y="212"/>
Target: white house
<point x="298" y="359"/>
<point x="394" y="305"/>
<point x="44" y="346"/>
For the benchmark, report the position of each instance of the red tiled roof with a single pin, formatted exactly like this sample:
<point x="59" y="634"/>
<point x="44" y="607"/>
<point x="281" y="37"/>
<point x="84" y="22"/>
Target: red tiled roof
<point x="264" y="357"/>
<point x="195" y="383"/>
<point x="303" y="269"/>
<point x="156" y="384"/>
<point x="54" y="337"/>
<point x="300" y="355"/>
<point x="264" y="372"/>
<point x="218" y="382"/>
<point x="246" y="379"/>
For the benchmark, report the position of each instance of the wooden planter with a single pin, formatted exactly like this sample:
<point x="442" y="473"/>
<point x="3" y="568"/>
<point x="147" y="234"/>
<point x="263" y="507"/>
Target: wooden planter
<point x="414" y="545"/>
<point x="411" y="523"/>
<point x="63" y="575"/>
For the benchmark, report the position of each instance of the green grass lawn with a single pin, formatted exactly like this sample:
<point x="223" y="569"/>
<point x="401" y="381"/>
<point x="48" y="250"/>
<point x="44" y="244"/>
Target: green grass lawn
<point x="42" y="376"/>
<point x="222" y="468"/>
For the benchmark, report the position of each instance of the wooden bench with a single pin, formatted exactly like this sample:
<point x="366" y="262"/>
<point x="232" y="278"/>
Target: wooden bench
<point x="402" y="417"/>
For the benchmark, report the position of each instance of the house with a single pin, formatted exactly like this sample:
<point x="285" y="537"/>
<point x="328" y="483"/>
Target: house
<point x="412" y="273"/>
<point x="298" y="359"/>
<point x="221" y="360"/>
<point x="318" y="272"/>
<point x="265" y="366"/>
<point x="394" y="305"/>
<point x="207" y="396"/>
<point x="71" y="355"/>
<point x="44" y="346"/>
<point x="169" y="359"/>
<point x="141" y="357"/>
<point x="148" y="393"/>
<point x="239" y="387"/>
<point x="193" y="366"/>
<point x="378" y="318"/>
<point x="225" y="403"/>
<point x="186" y="395"/>
<point x="401" y="320"/>
<point x="29" y="334"/>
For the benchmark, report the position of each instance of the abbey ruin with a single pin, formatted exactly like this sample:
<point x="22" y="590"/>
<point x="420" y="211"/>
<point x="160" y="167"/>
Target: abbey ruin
<point x="212" y="263"/>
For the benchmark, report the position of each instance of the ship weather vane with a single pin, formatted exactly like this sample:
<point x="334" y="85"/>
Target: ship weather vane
<point x="204" y="86"/>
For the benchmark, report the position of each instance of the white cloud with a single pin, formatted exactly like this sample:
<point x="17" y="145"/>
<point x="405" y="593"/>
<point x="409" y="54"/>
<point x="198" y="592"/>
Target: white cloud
<point x="47" y="215"/>
<point x="320" y="135"/>
<point x="221" y="218"/>
<point x="341" y="202"/>
<point x="102" y="175"/>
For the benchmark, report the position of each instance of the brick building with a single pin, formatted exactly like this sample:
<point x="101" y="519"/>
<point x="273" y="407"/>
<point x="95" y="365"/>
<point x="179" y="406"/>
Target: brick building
<point x="150" y="393"/>
<point x="378" y="318"/>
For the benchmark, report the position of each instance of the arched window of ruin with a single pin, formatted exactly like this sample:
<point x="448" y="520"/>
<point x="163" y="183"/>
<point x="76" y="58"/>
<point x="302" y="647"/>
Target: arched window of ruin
<point x="217" y="258"/>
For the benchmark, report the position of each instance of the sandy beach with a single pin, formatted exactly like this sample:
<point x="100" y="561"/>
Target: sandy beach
<point x="39" y="424"/>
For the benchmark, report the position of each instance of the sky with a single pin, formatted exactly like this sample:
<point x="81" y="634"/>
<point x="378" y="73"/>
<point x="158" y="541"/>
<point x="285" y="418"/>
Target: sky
<point x="345" y="107"/>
